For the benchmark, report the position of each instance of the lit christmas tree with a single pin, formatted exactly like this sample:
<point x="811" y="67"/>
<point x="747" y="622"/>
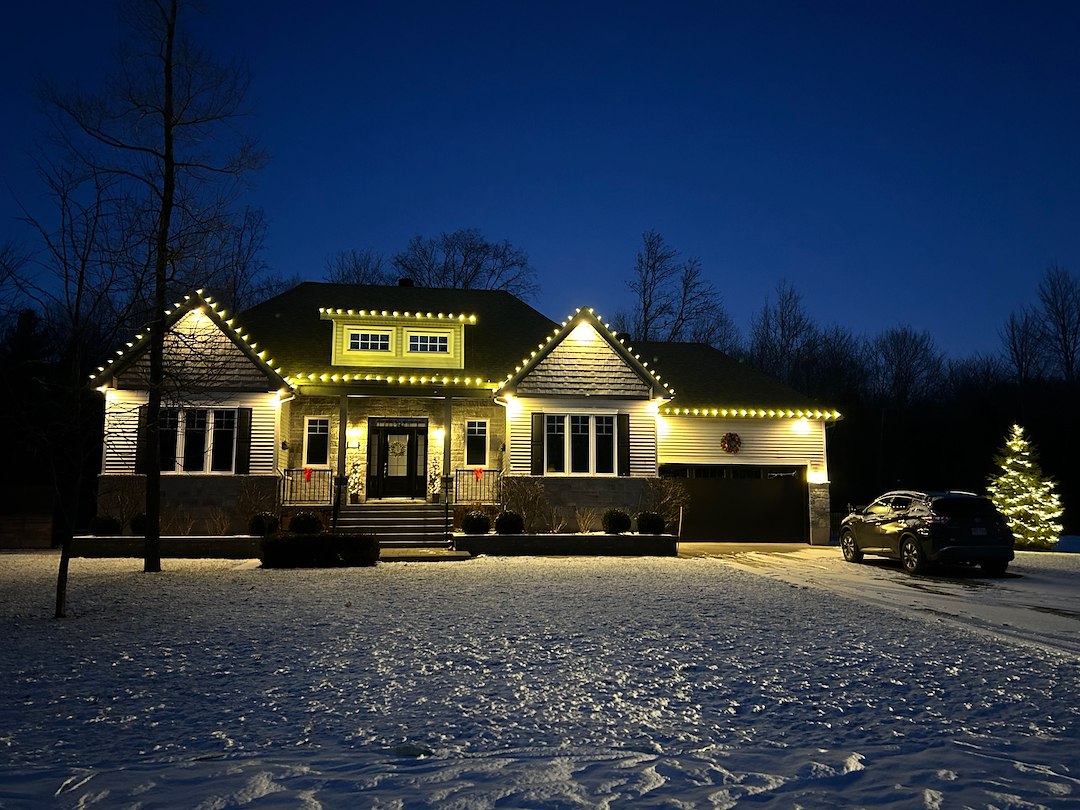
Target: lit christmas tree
<point x="1028" y="501"/>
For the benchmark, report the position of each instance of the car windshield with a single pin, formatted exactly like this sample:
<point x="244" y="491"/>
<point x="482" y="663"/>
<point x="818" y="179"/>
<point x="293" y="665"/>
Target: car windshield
<point x="962" y="508"/>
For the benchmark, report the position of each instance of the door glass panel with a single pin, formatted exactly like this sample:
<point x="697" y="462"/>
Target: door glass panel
<point x="397" y="456"/>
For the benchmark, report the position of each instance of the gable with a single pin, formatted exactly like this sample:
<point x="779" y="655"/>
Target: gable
<point x="584" y="363"/>
<point x="199" y="356"/>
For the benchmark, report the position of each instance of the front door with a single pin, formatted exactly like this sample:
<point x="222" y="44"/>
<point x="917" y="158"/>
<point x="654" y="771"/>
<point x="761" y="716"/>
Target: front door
<point x="397" y="458"/>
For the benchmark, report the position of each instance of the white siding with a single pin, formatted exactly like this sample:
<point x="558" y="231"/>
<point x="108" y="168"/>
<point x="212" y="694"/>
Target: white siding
<point x="642" y="430"/>
<point x="696" y="440"/>
<point x="122" y="425"/>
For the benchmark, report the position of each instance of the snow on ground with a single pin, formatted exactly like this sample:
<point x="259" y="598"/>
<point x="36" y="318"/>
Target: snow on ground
<point x="533" y="683"/>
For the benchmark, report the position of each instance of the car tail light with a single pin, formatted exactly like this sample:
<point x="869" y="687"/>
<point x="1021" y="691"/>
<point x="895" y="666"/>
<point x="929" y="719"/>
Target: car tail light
<point x="935" y="518"/>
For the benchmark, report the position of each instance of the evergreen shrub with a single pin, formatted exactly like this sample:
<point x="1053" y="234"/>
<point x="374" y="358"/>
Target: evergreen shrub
<point x="306" y="523"/>
<point x="476" y="522"/>
<point x="650" y="523"/>
<point x="509" y="523"/>
<point x="615" y="521"/>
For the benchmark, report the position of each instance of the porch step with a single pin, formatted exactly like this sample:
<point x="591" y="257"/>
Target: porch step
<point x="397" y="525"/>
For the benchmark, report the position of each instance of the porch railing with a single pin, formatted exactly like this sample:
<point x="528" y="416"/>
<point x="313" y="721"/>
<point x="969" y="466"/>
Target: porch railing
<point x="476" y="486"/>
<point x="307" y="486"/>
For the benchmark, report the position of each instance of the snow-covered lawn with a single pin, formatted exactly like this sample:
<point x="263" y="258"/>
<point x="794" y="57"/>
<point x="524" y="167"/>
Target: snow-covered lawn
<point x="535" y="683"/>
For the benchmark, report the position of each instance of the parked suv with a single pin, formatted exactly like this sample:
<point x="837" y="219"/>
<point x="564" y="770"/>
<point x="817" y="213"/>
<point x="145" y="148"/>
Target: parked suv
<point x="919" y="528"/>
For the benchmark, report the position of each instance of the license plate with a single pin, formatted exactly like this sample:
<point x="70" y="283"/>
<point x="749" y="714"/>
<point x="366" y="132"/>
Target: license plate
<point x="977" y="532"/>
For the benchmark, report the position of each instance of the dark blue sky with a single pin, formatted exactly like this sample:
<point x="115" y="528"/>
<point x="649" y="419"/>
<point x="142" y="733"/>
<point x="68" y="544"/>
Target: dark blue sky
<point x="897" y="163"/>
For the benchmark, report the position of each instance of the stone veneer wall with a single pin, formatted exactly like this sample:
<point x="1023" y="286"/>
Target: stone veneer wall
<point x="599" y="494"/>
<point x="820" y="516"/>
<point x="192" y="504"/>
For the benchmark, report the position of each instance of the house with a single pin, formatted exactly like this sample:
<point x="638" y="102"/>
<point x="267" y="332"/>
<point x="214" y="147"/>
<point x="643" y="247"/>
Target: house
<point x="370" y="394"/>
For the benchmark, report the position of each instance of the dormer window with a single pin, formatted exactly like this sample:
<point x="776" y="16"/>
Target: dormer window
<point x="429" y="344"/>
<point x="369" y="341"/>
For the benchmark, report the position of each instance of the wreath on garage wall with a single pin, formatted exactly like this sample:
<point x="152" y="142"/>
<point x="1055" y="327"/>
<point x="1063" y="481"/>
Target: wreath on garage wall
<point x="731" y="442"/>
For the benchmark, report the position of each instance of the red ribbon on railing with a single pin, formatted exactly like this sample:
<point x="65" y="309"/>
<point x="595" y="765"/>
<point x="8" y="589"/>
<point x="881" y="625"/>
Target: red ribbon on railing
<point x="479" y="473"/>
<point x="307" y="473"/>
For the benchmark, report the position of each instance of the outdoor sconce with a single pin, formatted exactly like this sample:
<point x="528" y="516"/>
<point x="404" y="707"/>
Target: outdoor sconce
<point x="352" y="438"/>
<point x="284" y="444"/>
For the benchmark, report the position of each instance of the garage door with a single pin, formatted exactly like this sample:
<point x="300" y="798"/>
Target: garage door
<point x="744" y="504"/>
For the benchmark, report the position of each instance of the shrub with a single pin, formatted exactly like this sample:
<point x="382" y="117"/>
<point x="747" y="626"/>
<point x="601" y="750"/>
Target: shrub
<point x="101" y="525"/>
<point x="615" y="521"/>
<point x="509" y="523"/>
<point x="357" y="549"/>
<point x="306" y="523"/>
<point x="476" y="522"/>
<point x="650" y="523"/>
<point x="262" y="524"/>
<point x="138" y="524"/>
<point x="308" y="550"/>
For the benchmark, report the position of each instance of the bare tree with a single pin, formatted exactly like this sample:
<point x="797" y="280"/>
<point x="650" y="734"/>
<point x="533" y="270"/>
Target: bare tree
<point x="1023" y="347"/>
<point x="905" y="365"/>
<point x="357" y="267"/>
<point x="1059" y="293"/>
<point x="163" y="130"/>
<point x="782" y="335"/>
<point x="466" y="260"/>
<point x="673" y="299"/>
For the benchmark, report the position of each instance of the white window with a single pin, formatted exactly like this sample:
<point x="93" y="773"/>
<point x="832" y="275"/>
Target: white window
<point x="476" y="443"/>
<point x="197" y="440"/>
<point x="316" y="441"/>
<point x="429" y="344"/>
<point x="579" y="444"/>
<point x="369" y="341"/>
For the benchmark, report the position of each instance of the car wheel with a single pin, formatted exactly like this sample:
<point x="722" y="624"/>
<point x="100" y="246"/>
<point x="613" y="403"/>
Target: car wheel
<point x="911" y="556"/>
<point x="994" y="568"/>
<point x="851" y="551"/>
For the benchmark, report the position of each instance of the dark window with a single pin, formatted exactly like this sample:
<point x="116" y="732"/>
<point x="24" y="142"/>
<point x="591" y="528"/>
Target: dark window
<point x="194" y="440"/>
<point x="555" y="440"/>
<point x="476" y="443"/>
<point x="224" y="444"/>
<point x="168" y="426"/>
<point x="317" y="446"/>
<point x="369" y="342"/>
<point x="605" y="444"/>
<point x="438" y="344"/>
<point x="579" y="444"/>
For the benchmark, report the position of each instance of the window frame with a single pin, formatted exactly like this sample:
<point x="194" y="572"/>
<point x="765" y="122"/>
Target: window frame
<point x="308" y="420"/>
<point x="469" y="423"/>
<point x="571" y="448"/>
<point x="212" y="434"/>
<point x="360" y="332"/>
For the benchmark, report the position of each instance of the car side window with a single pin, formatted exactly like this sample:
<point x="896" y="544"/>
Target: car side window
<point x="901" y="504"/>
<point x="878" y="507"/>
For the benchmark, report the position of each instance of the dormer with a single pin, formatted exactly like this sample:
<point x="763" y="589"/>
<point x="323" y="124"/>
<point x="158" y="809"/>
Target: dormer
<point x="391" y="339"/>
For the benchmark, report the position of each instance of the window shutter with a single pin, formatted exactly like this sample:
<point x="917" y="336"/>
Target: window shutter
<point x="623" y="427"/>
<point x="243" y="441"/>
<point x="537" y="467"/>
<point x="142" y="448"/>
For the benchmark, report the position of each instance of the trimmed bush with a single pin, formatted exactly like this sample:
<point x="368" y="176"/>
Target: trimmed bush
<point x="138" y="524"/>
<point x="476" y="522"/>
<point x="306" y="523"/>
<point x="650" y="523"/>
<point x="263" y="523"/>
<point x="306" y="550"/>
<point x="358" y="549"/>
<point x="509" y="523"/>
<point x="104" y="525"/>
<point x="615" y="521"/>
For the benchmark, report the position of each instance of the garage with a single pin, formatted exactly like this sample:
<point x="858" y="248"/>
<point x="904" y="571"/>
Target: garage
<point x="743" y="503"/>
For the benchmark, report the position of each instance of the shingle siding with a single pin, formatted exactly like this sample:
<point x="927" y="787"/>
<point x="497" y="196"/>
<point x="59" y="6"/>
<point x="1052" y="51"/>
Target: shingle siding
<point x="583" y="368"/>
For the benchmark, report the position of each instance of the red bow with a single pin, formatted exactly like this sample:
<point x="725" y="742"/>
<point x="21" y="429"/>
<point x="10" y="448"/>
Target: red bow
<point x="307" y="473"/>
<point x="479" y="473"/>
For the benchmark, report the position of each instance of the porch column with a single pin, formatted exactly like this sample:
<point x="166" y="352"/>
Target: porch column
<point x="340" y="479"/>
<point x="448" y="425"/>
